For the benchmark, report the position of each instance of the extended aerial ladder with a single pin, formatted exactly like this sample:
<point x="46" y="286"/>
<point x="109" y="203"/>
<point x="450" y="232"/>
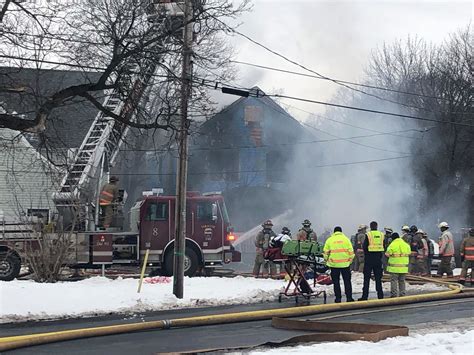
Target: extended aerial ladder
<point x="106" y="134"/>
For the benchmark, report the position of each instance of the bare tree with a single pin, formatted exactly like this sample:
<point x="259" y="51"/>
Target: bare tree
<point x="442" y="77"/>
<point x="119" y="39"/>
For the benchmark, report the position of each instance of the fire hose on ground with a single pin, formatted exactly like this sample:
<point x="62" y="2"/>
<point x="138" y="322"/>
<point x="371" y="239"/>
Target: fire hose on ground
<point x="15" y="342"/>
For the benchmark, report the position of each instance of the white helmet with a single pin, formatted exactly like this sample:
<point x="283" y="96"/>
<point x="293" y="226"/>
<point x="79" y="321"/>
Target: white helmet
<point x="420" y="231"/>
<point x="405" y="228"/>
<point x="443" y="225"/>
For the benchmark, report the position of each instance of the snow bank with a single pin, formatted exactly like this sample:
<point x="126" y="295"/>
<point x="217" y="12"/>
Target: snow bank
<point x="27" y="300"/>
<point x="436" y="343"/>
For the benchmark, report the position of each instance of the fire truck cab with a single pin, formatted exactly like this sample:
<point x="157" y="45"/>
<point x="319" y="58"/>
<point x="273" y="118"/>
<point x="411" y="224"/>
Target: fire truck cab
<point x="208" y="230"/>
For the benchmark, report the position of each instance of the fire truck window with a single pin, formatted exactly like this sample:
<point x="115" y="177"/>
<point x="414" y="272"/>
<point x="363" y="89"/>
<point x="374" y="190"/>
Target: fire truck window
<point x="204" y="211"/>
<point x="156" y="211"/>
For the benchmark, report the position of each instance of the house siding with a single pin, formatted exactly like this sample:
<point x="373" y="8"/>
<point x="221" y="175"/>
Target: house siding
<point x="27" y="181"/>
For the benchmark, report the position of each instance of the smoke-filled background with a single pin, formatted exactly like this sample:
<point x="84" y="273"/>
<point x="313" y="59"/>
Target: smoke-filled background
<point x="358" y="166"/>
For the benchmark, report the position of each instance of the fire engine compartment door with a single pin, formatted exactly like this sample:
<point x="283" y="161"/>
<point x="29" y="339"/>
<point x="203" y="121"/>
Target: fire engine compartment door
<point x="206" y="228"/>
<point x="101" y="248"/>
<point x="156" y="226"/>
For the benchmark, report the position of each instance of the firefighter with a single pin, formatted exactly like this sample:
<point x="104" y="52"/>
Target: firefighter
<point x="467" y="256"/>
<point x="278" y="240"/>
<point x="446" y="250"/>
<point x="262" y="243"/>
<point x="386" y="242"/>
<point x="398" y="253"/>
<point x="306" y="233"/>
<point x="360" y="237"/>
<point x="107" y="200"/>
<point x="415" y="244"/>
<point x="429" y="259"/>
<point x="406" y="234"/>
<point x="338" y="253"/>
<point x="422" y="256"/>
<point x="373" y="251"/>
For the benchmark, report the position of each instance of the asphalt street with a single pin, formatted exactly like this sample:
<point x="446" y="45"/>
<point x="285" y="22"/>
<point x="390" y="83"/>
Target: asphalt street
<point x="222" y="336"/>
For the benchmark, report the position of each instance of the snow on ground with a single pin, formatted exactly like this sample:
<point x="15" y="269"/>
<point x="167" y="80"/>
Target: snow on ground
<point x="26" y="300"/>
<point x="436" y="343"/>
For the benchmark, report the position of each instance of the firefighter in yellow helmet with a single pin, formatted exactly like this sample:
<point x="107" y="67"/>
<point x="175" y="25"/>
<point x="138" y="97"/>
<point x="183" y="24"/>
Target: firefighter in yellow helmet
<point x="373" y="252"/>
<point x="107" y="199"/>
<point x="398" y="253"/>
<point x="338" y="253"/>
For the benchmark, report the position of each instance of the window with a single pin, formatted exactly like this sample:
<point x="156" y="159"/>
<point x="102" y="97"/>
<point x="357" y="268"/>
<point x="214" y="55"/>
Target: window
<point x="40" y="213"/>
<point x="204" y="211"/>
<point x="157" y="211"/>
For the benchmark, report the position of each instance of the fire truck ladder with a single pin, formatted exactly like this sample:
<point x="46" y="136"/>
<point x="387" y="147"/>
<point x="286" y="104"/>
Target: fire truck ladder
<point x="106" y="135"/>
<point x="104" y="138"/>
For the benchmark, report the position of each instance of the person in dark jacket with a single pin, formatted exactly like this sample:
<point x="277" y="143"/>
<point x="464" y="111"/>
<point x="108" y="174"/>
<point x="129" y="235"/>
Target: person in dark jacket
<point x="373" y="252"/>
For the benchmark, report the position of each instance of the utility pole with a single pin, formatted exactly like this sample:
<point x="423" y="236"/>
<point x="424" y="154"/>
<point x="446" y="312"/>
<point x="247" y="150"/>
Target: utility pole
<point x="180" y="211"/>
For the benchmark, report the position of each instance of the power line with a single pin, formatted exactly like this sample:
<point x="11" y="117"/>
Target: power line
<point x="368" y="110"/>
<point x="321" y="75"/>
<point x="248" y="171"/>
<point x="338" y="80"/>
<point x="51" y="62"/>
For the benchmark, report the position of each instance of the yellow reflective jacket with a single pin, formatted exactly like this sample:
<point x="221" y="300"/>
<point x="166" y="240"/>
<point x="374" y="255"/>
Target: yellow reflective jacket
<point x="375" y="241"/>
<point x="398" y="253"/>
<point x="338" y="251"/>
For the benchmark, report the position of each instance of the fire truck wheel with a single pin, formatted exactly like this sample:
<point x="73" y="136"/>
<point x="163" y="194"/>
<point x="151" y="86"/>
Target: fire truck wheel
<point x="10" y="266"/>
<point x="191" y="262"/>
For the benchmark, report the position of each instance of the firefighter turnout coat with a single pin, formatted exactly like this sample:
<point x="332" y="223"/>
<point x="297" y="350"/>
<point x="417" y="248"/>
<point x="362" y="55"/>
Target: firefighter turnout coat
<point x="446" y="245"/>
<point x="338" y="251"/>
<point x="467" y="248"/>
<point x="398" y="253"/>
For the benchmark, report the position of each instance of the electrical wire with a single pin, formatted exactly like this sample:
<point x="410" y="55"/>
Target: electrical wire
<point x="338" y="80"/>
<point x="321" y="75"/>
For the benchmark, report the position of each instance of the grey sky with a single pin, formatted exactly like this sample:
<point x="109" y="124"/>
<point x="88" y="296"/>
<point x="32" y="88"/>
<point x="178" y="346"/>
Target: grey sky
<point x="334" y="38"/>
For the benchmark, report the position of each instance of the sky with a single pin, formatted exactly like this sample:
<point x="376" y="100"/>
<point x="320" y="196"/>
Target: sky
<point x="334" y="38"/>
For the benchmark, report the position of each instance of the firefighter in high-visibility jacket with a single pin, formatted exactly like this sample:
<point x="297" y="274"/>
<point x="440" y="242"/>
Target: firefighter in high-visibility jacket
<point x="398" y="253"/>
<point x="373" y="252"/>
<point x="107" y="199"/>
<point x="467" y="256"/>
<point x="338" y="253"/>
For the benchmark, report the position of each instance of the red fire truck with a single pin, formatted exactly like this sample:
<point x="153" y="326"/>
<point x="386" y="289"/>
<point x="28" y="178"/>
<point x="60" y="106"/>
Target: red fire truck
<point x="208" y="243"/>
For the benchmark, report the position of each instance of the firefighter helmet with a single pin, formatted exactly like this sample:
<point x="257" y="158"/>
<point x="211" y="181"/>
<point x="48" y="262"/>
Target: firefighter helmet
<point x="405" y="228"/>
<point x="388" y="230"/>
<point x="443" y="225"/>
<point x="420" y="231"/>
<point x="413" y="229"/>
<point x="361" y="227"/>
<point x="306" y="223"/>
<point x="471" y="232"/>
<point x="285" y="230"/>
<point x="267" y="223"/>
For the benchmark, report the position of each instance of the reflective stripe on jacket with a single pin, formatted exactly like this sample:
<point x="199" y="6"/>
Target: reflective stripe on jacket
<point x="338" y="251"/>
<point x="107" y="195"/>
<point x="446" y="246"/>
<point x="398" y="253"/>
<point x="375" y="241"/>
<point x="467" y="248"/>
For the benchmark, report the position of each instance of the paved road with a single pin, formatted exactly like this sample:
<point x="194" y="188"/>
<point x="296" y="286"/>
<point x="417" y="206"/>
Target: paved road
<point x="217" y="336"/>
